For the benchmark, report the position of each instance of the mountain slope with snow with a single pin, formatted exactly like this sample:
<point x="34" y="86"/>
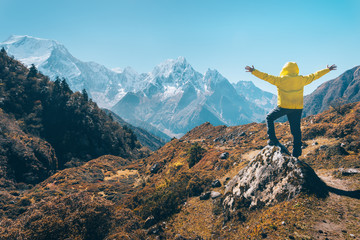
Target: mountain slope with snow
<point x="105" y="86"/>
<point x="173" y="97"/>
<point x="252" y="93"/>
<point x="177" y="98"/>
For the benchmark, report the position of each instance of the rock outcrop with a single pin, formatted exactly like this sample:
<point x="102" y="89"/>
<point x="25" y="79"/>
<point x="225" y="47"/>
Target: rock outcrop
<point x="270" y="178"/>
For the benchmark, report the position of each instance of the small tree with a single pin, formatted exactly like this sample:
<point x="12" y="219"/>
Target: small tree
<point x="85" y="95"/>
<point x="65" y="86"/>
<point x="195" y="154"/>
<point x="32" y="71"/>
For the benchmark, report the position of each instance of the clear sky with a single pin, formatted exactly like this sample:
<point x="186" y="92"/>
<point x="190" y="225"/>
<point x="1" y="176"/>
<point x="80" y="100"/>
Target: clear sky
<point x="222" y="35"/>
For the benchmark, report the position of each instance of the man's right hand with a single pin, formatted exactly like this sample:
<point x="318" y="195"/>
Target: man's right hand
<point x="249" y="69"/>
<point x="332" y="67"/>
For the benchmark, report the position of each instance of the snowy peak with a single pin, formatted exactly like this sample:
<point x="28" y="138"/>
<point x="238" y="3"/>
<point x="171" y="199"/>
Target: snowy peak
<point x="175" y="73"/>
<point x="30" y="49"/>
<point x="172" y="66"/>
<point x="173" y="97"/>
<point x="262" y="98"/>
<point x="129" y="71"/>
<point x="213" y="77"/>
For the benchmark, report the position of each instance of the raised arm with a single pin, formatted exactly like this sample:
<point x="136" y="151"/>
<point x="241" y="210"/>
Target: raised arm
<point x="264" y="76"/>
<point x="312" y="77"/>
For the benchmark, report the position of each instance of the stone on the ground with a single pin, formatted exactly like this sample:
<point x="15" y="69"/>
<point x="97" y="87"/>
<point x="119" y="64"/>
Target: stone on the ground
<point x="348" y="171"/>
<point x="269" y="178"/>
<point x="216" y="183"/>
<point x="155" y="168"/>
<point x="214" y="194"/>
<point x="205" y="196"/>
<point x="224" y="155"/>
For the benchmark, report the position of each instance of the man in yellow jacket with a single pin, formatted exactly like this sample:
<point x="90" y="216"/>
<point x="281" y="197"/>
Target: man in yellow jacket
<point x="290" y="87"/>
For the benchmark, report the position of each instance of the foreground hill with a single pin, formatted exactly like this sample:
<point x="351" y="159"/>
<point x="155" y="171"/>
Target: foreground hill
<point x="164" y="195"/>
<point x="46" y="127"/>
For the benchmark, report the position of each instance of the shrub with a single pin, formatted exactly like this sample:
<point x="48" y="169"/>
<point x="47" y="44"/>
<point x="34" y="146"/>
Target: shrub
<point x="196" y="152"/>
<point x="77" y="216"/>
<point x="197" y="184"/>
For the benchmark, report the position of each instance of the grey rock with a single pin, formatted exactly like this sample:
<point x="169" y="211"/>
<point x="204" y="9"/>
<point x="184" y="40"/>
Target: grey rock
<point x="348" y="171"/>
<point x="269" y="178"/>
<point x="214" y="194"/>
<point x="216" y="183"/>
<point x="224" y="155"/>
<point x="155" y="168"/>
<point x="205" y="196"/>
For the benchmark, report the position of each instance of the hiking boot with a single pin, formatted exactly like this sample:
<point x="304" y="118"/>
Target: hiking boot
<point x="297" y="152"/>
<point x="283" y="149"/>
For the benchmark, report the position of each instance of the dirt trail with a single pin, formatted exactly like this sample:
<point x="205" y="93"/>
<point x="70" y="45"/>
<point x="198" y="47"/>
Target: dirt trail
<point x="340" y="211"/>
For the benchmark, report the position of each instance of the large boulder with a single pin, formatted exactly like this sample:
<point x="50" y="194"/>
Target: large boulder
<point x="269" y="178"/>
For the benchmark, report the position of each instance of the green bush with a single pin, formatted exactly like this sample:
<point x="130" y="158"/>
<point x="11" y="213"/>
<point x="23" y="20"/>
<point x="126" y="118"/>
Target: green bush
<point x="196" y="152"/>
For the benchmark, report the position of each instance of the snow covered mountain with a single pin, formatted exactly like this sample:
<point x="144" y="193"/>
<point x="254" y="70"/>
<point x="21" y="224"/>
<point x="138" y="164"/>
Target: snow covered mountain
<point x="105" y="86"/>
<point x="252" y="93"/>
<point x="177" y="98"/>
<point x="173" y="97"/>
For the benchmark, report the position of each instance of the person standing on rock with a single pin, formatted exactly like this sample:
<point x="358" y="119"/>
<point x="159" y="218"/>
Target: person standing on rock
<point x="290" y="87"/>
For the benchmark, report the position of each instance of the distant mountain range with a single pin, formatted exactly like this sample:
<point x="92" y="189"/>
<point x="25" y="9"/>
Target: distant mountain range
<point x="341" y="90"/>
<point x="174" y="97"/>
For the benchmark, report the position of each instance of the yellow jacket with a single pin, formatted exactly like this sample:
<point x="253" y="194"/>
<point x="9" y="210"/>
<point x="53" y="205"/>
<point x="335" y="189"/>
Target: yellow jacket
<point x="290" y="84"/>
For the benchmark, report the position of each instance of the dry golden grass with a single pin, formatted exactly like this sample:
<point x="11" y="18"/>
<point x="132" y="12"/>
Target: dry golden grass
<point x="136" y="192"/>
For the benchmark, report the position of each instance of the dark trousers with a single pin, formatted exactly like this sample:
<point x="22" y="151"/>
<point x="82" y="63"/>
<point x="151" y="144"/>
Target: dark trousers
<point x="294" y="117"/>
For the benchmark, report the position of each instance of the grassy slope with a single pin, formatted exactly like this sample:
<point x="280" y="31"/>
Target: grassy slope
<point x="132" y="192"/>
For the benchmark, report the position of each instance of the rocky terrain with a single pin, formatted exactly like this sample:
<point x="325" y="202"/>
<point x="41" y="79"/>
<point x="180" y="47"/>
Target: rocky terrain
<point x="183" y="190"/>
<point x="271" y="177"/>
<point x="69" y="171"/>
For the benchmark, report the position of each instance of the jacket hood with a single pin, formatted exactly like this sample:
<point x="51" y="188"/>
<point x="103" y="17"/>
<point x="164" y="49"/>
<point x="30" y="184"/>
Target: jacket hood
<point x="290" y="68"/>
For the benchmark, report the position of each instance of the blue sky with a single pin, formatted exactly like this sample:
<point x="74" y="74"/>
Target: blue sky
<point x="222" y="35"/>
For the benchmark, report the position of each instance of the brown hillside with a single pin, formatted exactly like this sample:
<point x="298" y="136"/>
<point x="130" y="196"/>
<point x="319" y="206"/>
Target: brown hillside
<point x="158" y="196"/>
<point x="46" y="127"/>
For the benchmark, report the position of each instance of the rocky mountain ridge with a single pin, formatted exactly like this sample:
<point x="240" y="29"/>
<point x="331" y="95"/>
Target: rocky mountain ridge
<point x="174" y="90"/>
<point x="343" y="89"/>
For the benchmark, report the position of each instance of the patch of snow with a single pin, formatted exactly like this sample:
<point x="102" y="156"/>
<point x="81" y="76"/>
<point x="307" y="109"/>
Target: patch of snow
<point x="170" y="91"/>
<point x="117" y="70"/>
